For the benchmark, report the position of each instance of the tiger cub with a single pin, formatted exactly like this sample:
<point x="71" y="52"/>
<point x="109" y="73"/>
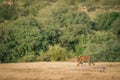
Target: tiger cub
<point x="82" y="59"/>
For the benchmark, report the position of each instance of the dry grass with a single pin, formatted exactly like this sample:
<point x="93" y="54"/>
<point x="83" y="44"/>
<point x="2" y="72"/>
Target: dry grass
<point x="59" y="71"/>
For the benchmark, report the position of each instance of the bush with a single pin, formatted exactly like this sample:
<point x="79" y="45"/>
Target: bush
<point x="56" y="53"/>
<point x="28" y="58"/>
<point x="8" y="12"/>
<point x="107" y="57"/>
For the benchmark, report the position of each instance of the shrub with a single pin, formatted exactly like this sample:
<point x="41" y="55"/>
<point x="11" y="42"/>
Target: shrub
<point x="107" y="57"/>
<point x="56" y="53"/>
<point x="28" y="58"/>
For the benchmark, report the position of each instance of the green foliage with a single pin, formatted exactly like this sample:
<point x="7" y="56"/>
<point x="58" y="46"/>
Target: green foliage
<point x="27" y="58"/>
<point x="56" y="53"/>
<point x="6" y="43"/>
<point x="109" y="57"/>
<point x="105" y="21"/>
<point x="8" y="12"/>
<point x="21" y="39"/>
<point x="116" y="27"/>
<point x="101" y="3"/>
<point x="58" y="30"/>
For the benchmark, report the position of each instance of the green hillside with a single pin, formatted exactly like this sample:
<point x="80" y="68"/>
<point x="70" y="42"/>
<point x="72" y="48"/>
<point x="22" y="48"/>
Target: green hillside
<point x="59" y="30"/>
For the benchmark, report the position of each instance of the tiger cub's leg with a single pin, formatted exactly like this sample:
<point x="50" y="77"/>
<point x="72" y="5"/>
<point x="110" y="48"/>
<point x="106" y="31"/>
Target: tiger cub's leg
<point x="89" y="61"/>
<point x="78" y="63"/>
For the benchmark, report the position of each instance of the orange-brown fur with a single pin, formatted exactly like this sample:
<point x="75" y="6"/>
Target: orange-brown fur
<point x="87" y="58"/>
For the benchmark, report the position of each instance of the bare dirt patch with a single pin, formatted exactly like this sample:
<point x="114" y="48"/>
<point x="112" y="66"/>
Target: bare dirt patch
<point x="59" y="71"/>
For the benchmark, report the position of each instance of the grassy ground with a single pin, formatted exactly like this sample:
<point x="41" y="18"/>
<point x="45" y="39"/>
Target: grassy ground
<point x="59" y="71"/>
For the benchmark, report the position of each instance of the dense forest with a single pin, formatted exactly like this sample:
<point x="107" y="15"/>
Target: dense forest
<point x="59" y="30"/>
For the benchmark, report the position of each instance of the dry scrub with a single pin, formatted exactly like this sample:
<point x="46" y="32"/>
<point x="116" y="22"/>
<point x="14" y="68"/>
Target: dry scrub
<point x="59" y="71"/>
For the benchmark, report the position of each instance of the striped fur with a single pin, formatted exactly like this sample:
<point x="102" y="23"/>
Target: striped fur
<point x="82" y="59"/>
